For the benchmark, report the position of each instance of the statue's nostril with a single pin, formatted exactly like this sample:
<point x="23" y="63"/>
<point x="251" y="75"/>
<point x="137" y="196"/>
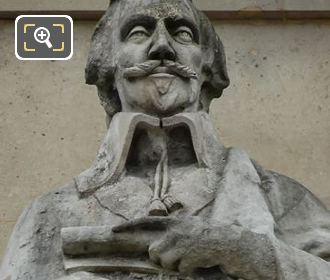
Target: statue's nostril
<point x="162" y="50"/>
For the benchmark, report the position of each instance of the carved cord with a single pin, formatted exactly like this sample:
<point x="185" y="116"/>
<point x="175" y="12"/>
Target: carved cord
<point x="163" y="203"/>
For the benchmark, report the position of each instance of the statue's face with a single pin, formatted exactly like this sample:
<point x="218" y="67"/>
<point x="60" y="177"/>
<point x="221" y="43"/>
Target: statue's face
<point x="158" y="57"/>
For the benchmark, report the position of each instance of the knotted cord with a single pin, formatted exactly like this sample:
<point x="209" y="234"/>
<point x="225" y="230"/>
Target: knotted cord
<point x="162" y="203"/>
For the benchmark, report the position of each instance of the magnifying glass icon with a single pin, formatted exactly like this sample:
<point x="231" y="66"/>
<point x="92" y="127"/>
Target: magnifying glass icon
<point x="42" y="35"/>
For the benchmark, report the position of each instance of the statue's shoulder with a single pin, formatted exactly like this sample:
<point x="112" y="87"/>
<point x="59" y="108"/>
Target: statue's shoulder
<point x="35" y="238"/>
<point x="49" y="209"/>
<point x="288" y="197"/>
<point x="57" y="199"/>
<point x="37" y="235"/>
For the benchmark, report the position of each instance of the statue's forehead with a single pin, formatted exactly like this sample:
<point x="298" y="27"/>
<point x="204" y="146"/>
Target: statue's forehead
<point x="157" y="8"/>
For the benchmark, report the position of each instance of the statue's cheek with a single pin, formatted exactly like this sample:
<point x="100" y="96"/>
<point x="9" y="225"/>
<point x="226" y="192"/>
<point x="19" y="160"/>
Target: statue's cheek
<point x="129" y="56"/>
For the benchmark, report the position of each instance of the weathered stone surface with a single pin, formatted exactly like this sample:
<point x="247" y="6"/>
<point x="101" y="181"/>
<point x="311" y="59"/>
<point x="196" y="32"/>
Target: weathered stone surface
<point x="278" y="123"/>
<point x="164" y="197"/>
<point x="305" y="5"/>
<point x="63" y="5"/>
<point x="239" y="5"/>
<point x="82" y="276"/>
<point x="204" y="5"/>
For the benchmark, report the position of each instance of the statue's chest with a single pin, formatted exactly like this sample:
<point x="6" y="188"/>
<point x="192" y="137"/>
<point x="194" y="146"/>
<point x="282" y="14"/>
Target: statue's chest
<point x="131" y="196"/>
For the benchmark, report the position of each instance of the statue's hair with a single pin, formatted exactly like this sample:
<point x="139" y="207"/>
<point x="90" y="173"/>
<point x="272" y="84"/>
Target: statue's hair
<point x="100" y="67"/>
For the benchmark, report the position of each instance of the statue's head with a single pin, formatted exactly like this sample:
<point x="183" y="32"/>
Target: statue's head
<point x="160" y="57"/>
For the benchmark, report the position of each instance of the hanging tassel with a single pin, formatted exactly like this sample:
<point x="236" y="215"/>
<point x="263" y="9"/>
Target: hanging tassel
<point x="157" y="207"/>
<point x="171" y="203"/>
<point x="162" y="203"/>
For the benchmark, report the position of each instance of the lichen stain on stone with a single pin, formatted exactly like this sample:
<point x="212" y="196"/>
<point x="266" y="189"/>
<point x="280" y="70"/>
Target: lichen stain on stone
<point x="163" y="10"/>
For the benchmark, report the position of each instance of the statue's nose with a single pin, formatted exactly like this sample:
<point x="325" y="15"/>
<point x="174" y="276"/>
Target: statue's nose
<point x="161" y="48"/>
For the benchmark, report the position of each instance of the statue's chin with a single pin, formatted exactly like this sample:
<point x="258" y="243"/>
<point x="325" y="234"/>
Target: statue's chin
<point x="159" y="95"/>
<point x="178" y="97"/>
<point x="170" y="103"/>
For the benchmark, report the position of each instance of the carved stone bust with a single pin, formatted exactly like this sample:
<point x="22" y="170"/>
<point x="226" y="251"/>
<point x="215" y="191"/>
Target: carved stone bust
<point x="164" y="198"/>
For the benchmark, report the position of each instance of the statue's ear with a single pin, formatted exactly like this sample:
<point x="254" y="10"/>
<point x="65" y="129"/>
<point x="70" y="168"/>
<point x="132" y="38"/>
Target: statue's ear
<point x="214" y="59"/>
<point x="100" y="67"/>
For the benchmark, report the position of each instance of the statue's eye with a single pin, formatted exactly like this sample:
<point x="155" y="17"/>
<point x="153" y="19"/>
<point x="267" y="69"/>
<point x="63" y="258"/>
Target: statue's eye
<point x="138" y="34"/>
<point x="184" y="35"/>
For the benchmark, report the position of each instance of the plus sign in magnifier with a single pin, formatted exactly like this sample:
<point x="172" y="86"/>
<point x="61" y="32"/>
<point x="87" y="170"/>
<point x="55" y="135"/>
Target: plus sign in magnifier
<point x="42" y="35"/>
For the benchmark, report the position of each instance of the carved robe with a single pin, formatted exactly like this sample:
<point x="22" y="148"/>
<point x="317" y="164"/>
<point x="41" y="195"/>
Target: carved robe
<point x="222" y="185"/>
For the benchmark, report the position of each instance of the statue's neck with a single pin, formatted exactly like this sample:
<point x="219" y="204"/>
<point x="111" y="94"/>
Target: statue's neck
<point x="150" y="144"/>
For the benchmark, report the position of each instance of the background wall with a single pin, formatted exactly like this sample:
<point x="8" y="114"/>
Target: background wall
<point x="277" y="109"/>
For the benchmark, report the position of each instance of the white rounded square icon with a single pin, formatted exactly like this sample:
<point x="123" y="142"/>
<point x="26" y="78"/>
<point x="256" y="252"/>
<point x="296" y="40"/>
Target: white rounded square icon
<point x="44" y="37"/>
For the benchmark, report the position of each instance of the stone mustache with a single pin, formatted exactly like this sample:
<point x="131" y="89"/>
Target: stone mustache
<point x="164" y="199"/>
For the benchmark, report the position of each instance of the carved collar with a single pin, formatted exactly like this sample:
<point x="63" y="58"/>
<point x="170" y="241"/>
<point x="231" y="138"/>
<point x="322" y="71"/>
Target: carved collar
<point x="111" y="158"/>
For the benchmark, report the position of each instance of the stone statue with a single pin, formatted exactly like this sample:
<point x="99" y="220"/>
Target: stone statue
<point x="164" y="198"/>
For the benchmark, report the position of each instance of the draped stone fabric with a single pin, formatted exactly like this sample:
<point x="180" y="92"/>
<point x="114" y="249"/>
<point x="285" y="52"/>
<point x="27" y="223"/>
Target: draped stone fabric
<point x="164" y="199"/>
<point x="232" y="189"/>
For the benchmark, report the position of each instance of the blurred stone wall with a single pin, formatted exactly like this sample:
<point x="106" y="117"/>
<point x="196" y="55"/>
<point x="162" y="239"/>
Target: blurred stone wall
<point x="277" y="109"/>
